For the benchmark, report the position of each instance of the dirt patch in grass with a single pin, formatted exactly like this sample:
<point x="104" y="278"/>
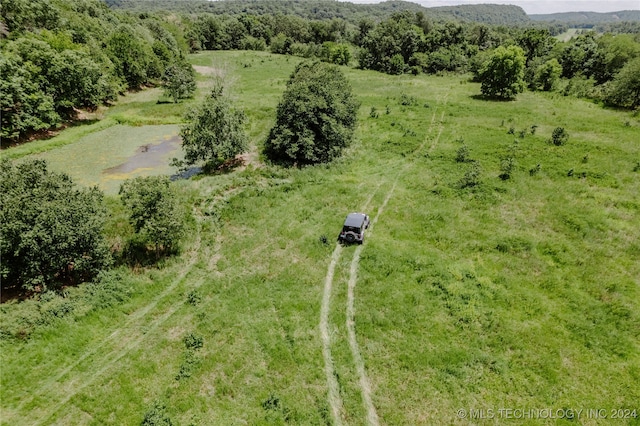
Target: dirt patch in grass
<point x="209" y="70"/>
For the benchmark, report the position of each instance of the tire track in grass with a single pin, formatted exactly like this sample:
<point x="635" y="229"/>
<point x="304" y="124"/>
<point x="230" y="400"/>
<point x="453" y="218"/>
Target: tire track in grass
<point x="333" y="395"/>
<point x="122" y="334"/>
<point x="365" y="384"/>
<point x="113" y="358"/>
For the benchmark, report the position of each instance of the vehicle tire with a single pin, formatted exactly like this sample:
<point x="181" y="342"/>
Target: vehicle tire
<point x="350" y="237"/>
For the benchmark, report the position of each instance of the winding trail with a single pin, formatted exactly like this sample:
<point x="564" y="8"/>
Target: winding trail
<point x="73" y="387"/>
<point x="335" y="401"/>
<point x="73" y="379"/>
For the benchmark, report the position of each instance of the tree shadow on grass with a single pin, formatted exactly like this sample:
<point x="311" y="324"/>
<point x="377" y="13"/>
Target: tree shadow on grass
<point x="137" y="254"/>
<point x="225" y="167"/>
<point x="491" y="98"/>
<point x="12" y="291"/>
<point x="186" y="173"/>
<point x="45" y="133"/>
<point x="214" y="168"/>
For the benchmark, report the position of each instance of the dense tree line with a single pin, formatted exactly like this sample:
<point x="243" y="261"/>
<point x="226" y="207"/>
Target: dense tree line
<point x="61" y="55"/>
<point x="624" y="27"/>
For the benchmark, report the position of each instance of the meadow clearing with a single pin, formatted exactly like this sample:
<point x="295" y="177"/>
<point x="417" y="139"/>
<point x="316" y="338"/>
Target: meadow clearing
<point x="471" y="292"/>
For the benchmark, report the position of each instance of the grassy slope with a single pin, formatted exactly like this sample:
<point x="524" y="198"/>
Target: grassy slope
<point x="516" y="294"/>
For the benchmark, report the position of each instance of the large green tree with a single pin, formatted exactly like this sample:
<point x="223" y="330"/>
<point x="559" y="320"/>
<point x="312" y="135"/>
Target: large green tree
<point x="132" y="56"/>
<point x="50" y="230"/>
<point x="24" y="106"/>
<point x="547" y="75"/>
<point x="536" y="43"/>
<point x="179" y="80"/>
<point x="579" y="56"/>
<point x="214" y="131"/>
<point x="315" y="118"/>
<point x="78" y="81"/>
<point x="624" y="90"/>
<point x="154" y="211"/>
<point x="502" y="76"/>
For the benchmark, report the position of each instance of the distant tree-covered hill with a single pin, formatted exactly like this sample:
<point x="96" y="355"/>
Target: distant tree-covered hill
<point x="313" y="9"/>
<point x="330" y="9"/>
<point x="499" y="14"/>
<point x="591" y="18"/>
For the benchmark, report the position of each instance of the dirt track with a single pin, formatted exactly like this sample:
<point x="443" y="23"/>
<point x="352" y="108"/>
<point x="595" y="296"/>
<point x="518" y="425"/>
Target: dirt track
<point x="335" y="402"/>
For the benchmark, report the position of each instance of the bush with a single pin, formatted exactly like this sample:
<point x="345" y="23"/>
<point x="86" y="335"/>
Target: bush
<point x="155" y="213"/>
<point x="157" y="416"/>
<point x="335" y="53"/>
<point x="20" y="320"/>
<point x="408" y="100"/>
<point x="109" y="288"/>
<point x="547" y="75"/>
<point x="315" y="118"/>
<point x="419" y="61"/>
<point x="507" y="165"/>
<point x="193" y="342"/>
<point x="462" y="154"/>
<point x="580" y="87"/>
<point x="559" y="136"/>
<point x="624" y="90"/>
<point x="300" y="49"/>
<point x="281" y="44"/>
<point x="535" y="170"/>
<point x="194" y="298"/>
<point x="252" y="43"/>
<point x="472" y="177"/>
<point x="395" y="65"/>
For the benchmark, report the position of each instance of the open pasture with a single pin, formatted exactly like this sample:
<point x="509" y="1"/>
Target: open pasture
<point x="470" y="292"/>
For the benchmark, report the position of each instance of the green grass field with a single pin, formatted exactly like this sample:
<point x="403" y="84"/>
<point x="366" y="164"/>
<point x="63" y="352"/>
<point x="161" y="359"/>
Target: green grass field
<point x="511" y="294"/>
<point x="568" y="35"/>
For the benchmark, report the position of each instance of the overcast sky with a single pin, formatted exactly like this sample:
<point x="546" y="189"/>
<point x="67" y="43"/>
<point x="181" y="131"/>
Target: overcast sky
<point x="539" y="6"/>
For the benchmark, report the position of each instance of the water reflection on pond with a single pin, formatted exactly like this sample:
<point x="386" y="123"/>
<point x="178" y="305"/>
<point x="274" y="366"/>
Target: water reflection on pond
<point x="147" y="157"/>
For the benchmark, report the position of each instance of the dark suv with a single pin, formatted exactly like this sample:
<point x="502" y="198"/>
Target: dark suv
<point x="353" y="229"/>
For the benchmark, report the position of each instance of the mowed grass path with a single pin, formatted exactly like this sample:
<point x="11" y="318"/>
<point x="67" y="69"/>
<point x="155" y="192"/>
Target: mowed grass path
<point x="513" y="294"/>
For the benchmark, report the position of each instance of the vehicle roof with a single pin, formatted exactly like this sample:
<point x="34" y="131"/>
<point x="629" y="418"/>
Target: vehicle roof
<point x="354" y="219"/>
